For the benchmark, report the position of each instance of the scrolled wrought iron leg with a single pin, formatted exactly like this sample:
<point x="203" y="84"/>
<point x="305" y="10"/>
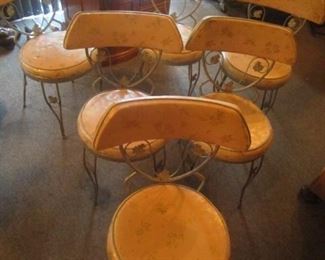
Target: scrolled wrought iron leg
<point x="190" y="76"/>
<point x="127" y="181"/>
<point x="224" y="77"/>
<point x="92" y="174"/>
<point x="193" y="77"/>
<point x="269" y="98"/>
<point x="55" y="100"/>
<point x="25" y="86"/>
<point x="274" y="97"/>
<point x="255" y="168"/>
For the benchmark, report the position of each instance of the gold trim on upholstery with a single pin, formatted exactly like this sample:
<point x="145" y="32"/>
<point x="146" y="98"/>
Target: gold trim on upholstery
<point x="244" y="36"/>
<point x="123" y="29"/>
<point x="235" y="65"/>
<point x="311" y="10"/>
<point x="167" y="222"/>
<point x="258" y="124"/>
<point x="43" y="58"/>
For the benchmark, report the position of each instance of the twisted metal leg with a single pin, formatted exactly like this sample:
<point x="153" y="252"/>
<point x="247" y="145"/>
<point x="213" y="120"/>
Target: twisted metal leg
<point x="55" y="100"/>
<point x="255" y="168"/>
<point x="25" y="86"/>
<point x="193" y="78"/>
<point x="92" y="174"/>
<point x="268" y="100"/>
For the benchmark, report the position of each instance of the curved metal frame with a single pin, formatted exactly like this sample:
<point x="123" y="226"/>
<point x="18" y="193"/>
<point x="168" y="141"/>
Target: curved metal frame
<point x="49" y="100"/>
<point x="193" y="77"/>
<point x="159" y="174"/>
<point x="91" y="169"/>
<point x="293" y="22"/>
<point x="36" y="30"/>
<point x="255" y="168"/>
<point x="165" y="176"/>
<point x="218" y="80"/>
<point x="178" y="17"/>
<point x="146" y="68"/>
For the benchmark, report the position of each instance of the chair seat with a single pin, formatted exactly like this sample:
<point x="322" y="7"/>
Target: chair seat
<point x="186" y="57"/>
<point x="44" y="58"/>
<point x="235" y="66"/>
<point x="91" y="114"/>
<point x="259" y="127"/>
<point x="167" y="222"/>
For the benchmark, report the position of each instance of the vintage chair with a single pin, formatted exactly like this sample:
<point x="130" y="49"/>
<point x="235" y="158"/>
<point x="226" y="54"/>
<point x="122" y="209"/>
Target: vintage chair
<point x="240" y="67"/>
<point x="169" y="221"/>
<point x="237" y="35"/>
<point x="185" y="57"/>
<point x="131" y="29"/>
<point x="45" y="60"/>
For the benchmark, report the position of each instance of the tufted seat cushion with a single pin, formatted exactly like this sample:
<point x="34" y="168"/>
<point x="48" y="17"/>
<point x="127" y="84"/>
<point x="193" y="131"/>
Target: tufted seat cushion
<point x="235" y="66"/>
<point x="167" y="222"/>
<point x="91" y="114"/>
<point x="44" y="58"/>
<point x="259" y="127"/>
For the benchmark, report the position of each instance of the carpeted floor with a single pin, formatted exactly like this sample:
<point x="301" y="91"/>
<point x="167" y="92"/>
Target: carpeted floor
<point x="46" y="199"/>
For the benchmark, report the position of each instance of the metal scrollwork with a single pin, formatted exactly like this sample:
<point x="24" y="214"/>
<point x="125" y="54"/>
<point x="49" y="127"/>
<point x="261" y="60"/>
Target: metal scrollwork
<point x="217" y="77"/>
<point x="163" y="175"/>
<point x="148" y="63"/>
<point x="9" y="10"/>
<point x="294" y="23"/>
<point x="256" y="12"/>
<point x="184" y="12"/>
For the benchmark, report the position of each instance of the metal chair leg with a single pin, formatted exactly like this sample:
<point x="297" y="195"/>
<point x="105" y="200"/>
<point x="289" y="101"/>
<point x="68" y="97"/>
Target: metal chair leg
<point x="92" y="174"/>
<point x="255" y="168"/>
<point x="25" y="86"/>
<point x="193" y="77"/>
<point x="201" y="178"/>
<point x="269" y="98"/>
<point x="127" y="181"/>
<point x="55" y="100"/>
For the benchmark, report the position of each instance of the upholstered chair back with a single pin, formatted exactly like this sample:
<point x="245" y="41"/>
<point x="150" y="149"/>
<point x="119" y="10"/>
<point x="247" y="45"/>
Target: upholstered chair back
<point x="172" y="117"/>
<point x="311" y="10"/>
<point x="123" y="29"/>
<point x="244" y="36"/>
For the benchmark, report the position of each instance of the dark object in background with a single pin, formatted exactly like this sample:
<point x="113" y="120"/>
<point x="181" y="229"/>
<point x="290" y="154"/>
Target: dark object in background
<point x="8" y="38"/>
<point x="308" y="196"/>
<point x="317" y="29"/>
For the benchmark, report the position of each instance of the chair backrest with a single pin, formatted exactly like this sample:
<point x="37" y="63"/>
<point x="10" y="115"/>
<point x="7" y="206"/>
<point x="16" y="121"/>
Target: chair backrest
<point x="311" y="10"/>
<point x="123" y="29"/>
<point x="173" y="117"/>
<point x="244" y="36"/>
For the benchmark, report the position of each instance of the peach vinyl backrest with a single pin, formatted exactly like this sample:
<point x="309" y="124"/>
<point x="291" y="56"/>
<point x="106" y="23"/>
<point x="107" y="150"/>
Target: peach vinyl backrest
<point x="123" y="29"/>
<point x="172" y="117"/>
<point x="244" y="36"/>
